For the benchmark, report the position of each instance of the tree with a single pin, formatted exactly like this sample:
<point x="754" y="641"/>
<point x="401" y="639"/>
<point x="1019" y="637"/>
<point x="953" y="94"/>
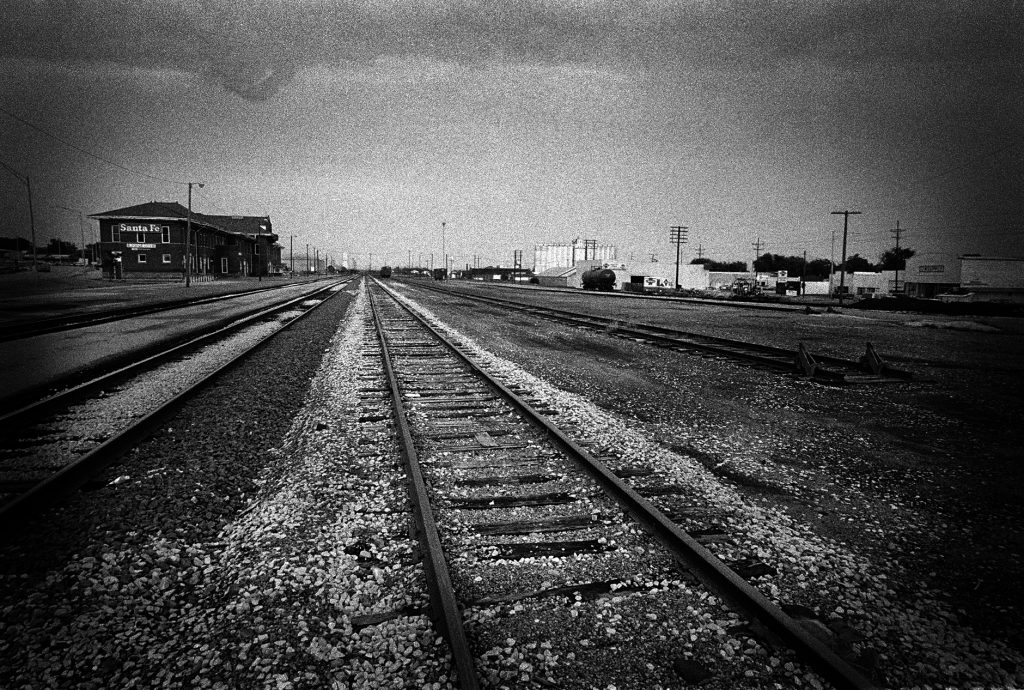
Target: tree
<point x="724" y="266"/>
<point x="857" y="263"/>
<point x="818" y="268"/>
<point x="58" y="246"/>
<point x="895" y="259"/>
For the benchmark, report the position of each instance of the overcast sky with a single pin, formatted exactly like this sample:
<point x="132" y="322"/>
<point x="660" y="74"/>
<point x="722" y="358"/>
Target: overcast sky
<point x="360" y="126"/>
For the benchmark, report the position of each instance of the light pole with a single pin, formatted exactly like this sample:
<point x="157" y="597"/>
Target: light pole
<point x="81" y="226"/>
<point x="291" y="254"/>
<point x="31" y="216"/>
<point x="188" y="236"/>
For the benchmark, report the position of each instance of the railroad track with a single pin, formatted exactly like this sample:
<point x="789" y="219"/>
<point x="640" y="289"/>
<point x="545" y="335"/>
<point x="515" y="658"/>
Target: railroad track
<point x="28" y="329"/>
<point x="870" y="368"/>
<point x="525" y="532"/>
<point x="60" y="443"/>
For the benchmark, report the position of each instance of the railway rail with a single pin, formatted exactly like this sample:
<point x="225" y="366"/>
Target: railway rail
<point x="55" y="445"/>
<point x="870" y="368"/>
<point x="19" y="330"/>
<point x="497" y="487"/>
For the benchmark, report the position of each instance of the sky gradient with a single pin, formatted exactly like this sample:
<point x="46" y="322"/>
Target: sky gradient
<point x="360" y="127"/>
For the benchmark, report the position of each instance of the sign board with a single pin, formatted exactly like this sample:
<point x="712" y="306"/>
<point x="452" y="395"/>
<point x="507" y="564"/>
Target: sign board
<point x="651" y="281"/>
<point x="136" y="245"/>
<point x="931" y="268"/>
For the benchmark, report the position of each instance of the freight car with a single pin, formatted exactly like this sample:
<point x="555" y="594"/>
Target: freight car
<point x="385" y="271"/>
<point x="602" y="279"/>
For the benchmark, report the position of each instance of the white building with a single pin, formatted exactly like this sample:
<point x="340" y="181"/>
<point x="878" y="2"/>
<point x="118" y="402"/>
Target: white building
<point x="548" y="256"/>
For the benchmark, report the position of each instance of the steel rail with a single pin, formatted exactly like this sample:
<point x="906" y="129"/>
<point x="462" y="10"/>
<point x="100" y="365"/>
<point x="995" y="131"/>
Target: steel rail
<point x="57" y="324"/>
<point x="776" y="357"/>
<point x="11" y="422"/>
<point x="444" y="607"/>
<point x="50" y="490"/>
<point x="694" y="557"/>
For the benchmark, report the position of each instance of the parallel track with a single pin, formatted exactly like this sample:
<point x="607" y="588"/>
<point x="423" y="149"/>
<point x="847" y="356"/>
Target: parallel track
<point x="28" y="329"/>
<point x="822" y="368"/>
<point x="461" y="391"/>
<point x="79" y="470"/>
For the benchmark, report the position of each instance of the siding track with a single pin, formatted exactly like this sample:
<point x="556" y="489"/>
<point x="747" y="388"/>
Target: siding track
<point x="56" y="445"/>
<point x="801" y="362"/>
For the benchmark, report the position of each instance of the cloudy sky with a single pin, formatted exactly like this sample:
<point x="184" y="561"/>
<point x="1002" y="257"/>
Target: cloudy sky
<point x="360" y="126"/>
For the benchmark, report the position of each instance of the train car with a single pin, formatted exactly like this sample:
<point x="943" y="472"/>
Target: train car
<point x="602" y="279"/>
<point x="385" y="271"/>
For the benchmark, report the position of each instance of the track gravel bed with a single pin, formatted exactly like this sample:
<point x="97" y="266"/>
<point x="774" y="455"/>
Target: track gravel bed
<point x="703" y="421"/>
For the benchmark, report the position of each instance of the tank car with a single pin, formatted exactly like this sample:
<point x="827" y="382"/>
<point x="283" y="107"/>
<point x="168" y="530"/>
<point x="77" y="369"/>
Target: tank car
<point x="385" y="272"/>
<point x="602" y="279"/>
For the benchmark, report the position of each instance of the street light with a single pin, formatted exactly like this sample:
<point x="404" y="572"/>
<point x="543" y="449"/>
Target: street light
<point x="81" y="225"/>
<point x="188" y="236"/>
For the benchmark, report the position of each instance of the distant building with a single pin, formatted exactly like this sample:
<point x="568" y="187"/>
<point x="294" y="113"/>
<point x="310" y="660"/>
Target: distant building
<point x="930" y="274"/>
<point x="547" y="256"/>
<point x="149" y="239"/>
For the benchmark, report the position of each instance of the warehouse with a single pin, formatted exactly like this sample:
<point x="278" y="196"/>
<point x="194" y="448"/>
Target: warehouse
<point x="148" y="240"/>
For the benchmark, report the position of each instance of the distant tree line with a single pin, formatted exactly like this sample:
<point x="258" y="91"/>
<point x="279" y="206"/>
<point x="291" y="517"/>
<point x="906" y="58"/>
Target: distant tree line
<point x="816" y="269"/>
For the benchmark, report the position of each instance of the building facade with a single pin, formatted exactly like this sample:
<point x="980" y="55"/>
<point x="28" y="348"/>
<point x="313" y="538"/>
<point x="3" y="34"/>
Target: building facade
<point x="150" y="240"/>
<point x="548" y="256"/>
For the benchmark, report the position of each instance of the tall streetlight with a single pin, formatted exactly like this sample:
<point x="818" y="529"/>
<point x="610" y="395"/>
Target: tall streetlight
<point x="31" y="216"/>
<point x="188" y="236"/>
<point x="842" y="275"/>
<point x="81" y="226"/>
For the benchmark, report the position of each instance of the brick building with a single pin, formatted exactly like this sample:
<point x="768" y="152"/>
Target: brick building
<point x="149" y="239"/>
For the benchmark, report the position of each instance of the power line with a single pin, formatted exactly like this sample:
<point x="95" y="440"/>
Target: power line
<point x="86" y="152"/>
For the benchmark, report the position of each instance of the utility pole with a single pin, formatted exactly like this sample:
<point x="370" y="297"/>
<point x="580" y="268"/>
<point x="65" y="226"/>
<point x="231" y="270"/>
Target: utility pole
<point x="188" y="236"/>
<point x="896" y="232"/>
<point x="678" y="235"/>
<point x="803" y="275"/>
<point x="757" y="254"/>
<point x="846" y="224"/>
<point x="307" y="258"/>
<point x="443" y="252"/>
<point x="291" y="253"/>
<point x="700" y="251"/>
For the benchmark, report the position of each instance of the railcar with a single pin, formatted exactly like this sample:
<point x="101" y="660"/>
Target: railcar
<point x="602" y="279"/>
<point x="385" y="272"/>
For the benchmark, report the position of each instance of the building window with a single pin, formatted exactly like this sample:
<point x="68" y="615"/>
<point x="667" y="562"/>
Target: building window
<point x="141" y="258"/>
<point x="165" y="234"/>
<point x="224" y="264"/>
<point x="140" y="237"/>
<point x="166" y="258"/>
<point x="115" y="232"/>
<point x="257" y="250"/>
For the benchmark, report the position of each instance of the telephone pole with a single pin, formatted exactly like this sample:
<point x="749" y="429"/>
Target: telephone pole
<point x="846" y="225"/>
<point x="757" y="255"/>
<point x="443" y="253"/>
<point x="677" y="234"/>
<point x="700" y="251"/>
<point x="896" y="231"/>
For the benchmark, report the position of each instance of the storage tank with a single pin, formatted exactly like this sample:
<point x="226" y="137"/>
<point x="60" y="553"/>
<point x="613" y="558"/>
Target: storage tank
<point x="599" y="279"/>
